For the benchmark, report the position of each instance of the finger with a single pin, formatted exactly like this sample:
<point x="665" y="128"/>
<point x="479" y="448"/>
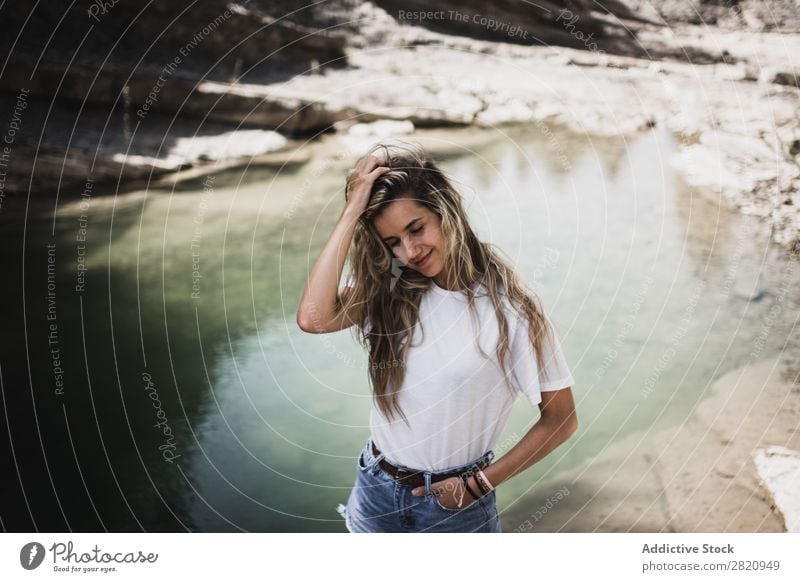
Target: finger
<point x="368" y="163"/>
<point x="377" y="173"/>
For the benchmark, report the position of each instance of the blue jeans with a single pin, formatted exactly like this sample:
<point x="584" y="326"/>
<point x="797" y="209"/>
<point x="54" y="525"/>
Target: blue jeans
<point x="378" y="503"/>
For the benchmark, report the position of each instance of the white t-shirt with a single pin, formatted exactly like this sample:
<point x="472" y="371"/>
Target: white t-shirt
<point x="456" y="400"/>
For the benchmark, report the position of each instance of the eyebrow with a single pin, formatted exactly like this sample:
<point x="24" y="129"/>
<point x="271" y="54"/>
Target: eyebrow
<point x="408" y="226"/>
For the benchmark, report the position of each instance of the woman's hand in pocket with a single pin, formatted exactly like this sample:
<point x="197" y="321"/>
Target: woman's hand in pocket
<point x="449" y="492"/>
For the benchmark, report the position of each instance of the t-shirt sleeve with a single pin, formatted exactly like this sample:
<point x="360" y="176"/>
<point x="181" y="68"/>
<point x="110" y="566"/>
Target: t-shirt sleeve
<point x="528" y="378"/>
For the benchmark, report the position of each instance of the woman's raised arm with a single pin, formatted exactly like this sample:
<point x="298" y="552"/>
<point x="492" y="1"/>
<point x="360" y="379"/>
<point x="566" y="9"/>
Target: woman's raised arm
<point x="321" y="306"/>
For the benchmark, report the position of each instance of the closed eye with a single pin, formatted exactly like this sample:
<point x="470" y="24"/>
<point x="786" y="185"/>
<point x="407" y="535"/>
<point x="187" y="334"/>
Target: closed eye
<point x="415" y="231"/>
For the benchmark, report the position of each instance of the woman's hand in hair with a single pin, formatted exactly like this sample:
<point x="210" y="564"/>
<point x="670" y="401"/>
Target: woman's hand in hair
<point x="359" y="182"/>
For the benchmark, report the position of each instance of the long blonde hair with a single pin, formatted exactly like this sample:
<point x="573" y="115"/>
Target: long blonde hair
<point x="391" y="305"/>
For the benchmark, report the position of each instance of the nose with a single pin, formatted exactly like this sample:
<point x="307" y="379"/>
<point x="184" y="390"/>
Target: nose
<point x="414" y="252"/>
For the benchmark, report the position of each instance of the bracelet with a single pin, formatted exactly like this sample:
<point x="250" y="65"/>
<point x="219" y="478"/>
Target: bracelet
<point x="480" y="476"/>
<point x="484" y="490"/>
<point x="464" y="478"/>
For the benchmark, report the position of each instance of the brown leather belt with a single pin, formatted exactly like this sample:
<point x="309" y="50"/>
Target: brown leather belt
<point x="417" y="478"/>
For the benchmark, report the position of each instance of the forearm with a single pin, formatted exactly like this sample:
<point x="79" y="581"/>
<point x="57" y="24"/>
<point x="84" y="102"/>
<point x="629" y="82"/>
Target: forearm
<point x="320" y="295"/>
<point x="538" y="442"/>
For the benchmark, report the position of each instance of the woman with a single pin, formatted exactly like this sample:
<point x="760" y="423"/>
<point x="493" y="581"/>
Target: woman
<point x="441" y="400"/>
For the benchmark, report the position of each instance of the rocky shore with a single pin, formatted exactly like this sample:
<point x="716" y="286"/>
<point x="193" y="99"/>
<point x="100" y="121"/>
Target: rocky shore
<point x="724" y="79"/>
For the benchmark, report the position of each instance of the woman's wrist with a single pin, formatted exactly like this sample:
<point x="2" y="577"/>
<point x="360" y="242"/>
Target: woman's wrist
<point x="484" y="483"/>
<point x="494" y="475"/>
<point x="477" y="484"/>
<point x="351" y="211"/>
<point x="472" y="489"/>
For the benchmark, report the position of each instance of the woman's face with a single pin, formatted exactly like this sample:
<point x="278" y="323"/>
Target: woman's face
<point x="412" y="233"/>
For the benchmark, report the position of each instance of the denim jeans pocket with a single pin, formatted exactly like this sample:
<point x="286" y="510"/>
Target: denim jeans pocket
<point x="364" y="460"/>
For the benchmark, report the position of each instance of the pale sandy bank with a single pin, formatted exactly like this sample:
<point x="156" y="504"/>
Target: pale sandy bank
<point x="697" y="477"/>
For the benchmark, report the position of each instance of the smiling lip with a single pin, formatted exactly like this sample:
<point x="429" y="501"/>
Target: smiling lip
<point x="423" y="261"/>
